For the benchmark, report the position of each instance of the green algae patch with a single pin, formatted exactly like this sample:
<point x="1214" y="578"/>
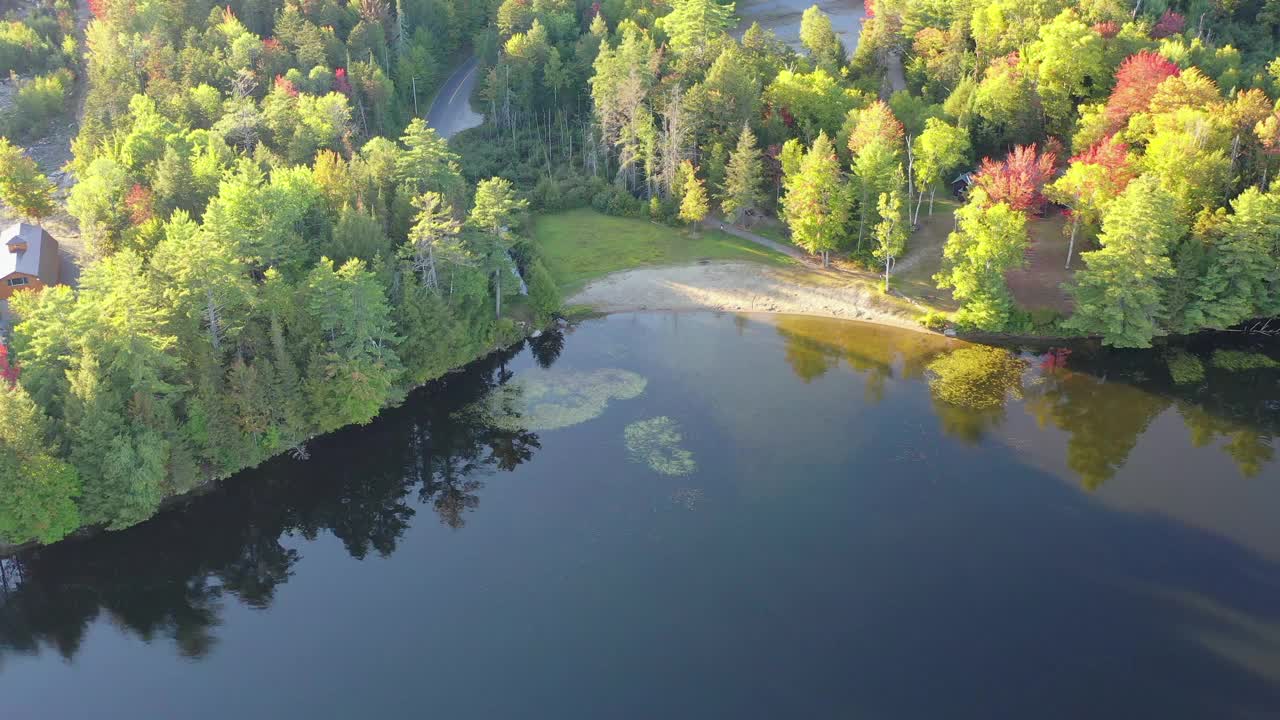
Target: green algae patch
<point x="977" y="378"/>
<point x="656" y="442"/>
<point x="1184" y="368"/>
<point x="539" y="399"/>
<point x="1237" y="361"/>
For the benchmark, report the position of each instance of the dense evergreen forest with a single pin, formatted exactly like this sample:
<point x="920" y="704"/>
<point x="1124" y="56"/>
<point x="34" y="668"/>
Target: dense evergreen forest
<point x="280" y="246"/>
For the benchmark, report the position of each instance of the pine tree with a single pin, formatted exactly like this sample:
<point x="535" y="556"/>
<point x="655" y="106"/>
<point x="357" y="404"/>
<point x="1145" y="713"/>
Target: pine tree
<point x="1120" y="293"/>
<point x="743" y="178"/>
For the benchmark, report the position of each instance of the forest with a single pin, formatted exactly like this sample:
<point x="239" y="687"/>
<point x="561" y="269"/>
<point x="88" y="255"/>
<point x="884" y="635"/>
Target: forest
<point x="278" y="245"/>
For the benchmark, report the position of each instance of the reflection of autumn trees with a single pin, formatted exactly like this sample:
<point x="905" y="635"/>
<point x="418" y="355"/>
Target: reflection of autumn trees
<point x="972" y="385"/>
<point x="170" y="577"/>
<point x="1104" y="420"/>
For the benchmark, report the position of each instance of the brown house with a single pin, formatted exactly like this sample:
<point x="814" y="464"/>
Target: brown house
<point x="28" y="259"/>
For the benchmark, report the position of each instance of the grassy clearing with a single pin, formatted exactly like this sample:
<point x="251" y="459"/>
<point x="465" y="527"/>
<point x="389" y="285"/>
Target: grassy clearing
<point x="582" y="245"/>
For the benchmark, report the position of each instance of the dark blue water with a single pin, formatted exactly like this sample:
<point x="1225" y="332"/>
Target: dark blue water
<point x="854" y="529"/>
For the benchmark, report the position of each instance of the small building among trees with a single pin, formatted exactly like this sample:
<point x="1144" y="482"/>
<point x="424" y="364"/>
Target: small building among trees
<point x="28" y="259"/>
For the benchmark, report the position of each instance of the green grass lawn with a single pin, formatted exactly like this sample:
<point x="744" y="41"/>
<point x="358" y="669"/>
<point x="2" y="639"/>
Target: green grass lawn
<point x="582" y="245"/>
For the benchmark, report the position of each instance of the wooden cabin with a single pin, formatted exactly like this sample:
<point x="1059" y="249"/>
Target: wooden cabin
<point x="28" y="259"/>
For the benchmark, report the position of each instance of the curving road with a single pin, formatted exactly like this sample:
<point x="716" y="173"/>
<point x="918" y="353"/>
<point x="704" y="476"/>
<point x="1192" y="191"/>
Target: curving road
<point x="450" y="113"/>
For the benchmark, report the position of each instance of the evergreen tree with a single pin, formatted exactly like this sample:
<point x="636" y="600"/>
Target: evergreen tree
<point x="1120" y="293"/>
<point x="744" y="177"/>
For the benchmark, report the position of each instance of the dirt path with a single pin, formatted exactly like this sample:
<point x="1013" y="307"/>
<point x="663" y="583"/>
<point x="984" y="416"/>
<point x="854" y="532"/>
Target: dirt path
<point x="734" y="230"/>
<point x="744" y="287"/>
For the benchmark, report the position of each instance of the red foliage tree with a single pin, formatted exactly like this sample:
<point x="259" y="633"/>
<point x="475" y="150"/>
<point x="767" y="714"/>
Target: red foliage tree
<point x="285" y="84"/>
<point x="98" y="7"/>
<point x="1136" y="81"/>
<point x="340" y="82"/>
<point x="140" y="204"/>
<point x="1018" y="179"/>
<point x="1171" y="23"/>
<point x="8" y="371"/>
<point x="870" y="7"/>
<point x="1113" y="154"/>
<point x="1107" y="29"/>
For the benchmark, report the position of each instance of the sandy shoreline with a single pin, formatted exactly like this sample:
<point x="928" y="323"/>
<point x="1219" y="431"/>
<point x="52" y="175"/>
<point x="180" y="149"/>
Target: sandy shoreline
<point x="743" y="287"/>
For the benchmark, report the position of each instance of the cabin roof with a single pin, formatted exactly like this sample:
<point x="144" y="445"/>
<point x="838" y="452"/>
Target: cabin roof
<point x="40" y="247"/>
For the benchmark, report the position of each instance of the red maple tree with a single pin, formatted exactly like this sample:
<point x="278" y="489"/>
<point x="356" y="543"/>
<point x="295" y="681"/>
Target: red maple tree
<point x="1113" y="154"/>
<point x="1107" y="28"/>
<point x="1019" y="179"/>
<point x="8" y="371"/>
<point x="285" y="84"/>
<point x="140" y="204"/>
<point x="1136" y="82"/>
<point x="340" y="82"/>
<point x="1170" y="23"/>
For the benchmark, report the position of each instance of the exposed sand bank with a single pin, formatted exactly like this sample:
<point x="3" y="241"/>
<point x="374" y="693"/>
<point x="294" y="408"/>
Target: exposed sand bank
<point x="744" y="287"/>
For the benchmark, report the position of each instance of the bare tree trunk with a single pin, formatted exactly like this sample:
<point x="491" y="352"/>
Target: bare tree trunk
<point x="215" y="331"/>
<point x="1071" y="246"/>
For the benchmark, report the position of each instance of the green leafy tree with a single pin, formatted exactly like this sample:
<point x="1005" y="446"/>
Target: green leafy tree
<point x="817" y="202"/>
<point x="876" y="170"/>
<point x="1120" y="293"/>
<point x="989" y="241"/>
<point x="694" y="206"/>
<point x="939" y="151"/>
<point x="692" y="25"/>
<point x="22" y="186"/>
<point x="891" y="231"/>
<point x="39" y="489"/>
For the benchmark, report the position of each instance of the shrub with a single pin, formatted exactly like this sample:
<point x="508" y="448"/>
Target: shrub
<point x="22" y="49"/>
<point x="544" y="294"/>
<point x="1044" y="319"/>
<point x="38" y="102"/>
<point x="935" y="321"/>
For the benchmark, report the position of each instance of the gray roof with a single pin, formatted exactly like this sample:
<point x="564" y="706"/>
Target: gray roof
<point x="40" y="259"/>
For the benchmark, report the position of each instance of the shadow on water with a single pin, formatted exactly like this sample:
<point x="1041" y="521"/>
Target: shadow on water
<point x="1096" y="609"/>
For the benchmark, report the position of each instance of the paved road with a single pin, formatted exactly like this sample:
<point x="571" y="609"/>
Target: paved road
<point x="451" y="111"/>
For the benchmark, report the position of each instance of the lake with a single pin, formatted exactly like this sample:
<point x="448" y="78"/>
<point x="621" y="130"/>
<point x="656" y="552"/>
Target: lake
<point x="783" y="18"/>
<point x="707" y="515"/>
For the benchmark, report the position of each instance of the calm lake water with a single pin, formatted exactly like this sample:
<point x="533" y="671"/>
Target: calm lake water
<point x="706" y="516"/>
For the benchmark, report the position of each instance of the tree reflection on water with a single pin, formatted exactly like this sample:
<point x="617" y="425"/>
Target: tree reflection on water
<point x="169" y="577"/>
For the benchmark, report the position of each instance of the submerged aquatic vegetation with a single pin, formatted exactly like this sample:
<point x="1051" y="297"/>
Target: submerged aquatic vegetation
<point x="977" y="378"/>
<point x="656" y="443"/>
<point x="1185" y="368"/>
<point x="1239" y="361"/>
<point x="540" y="399"/>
